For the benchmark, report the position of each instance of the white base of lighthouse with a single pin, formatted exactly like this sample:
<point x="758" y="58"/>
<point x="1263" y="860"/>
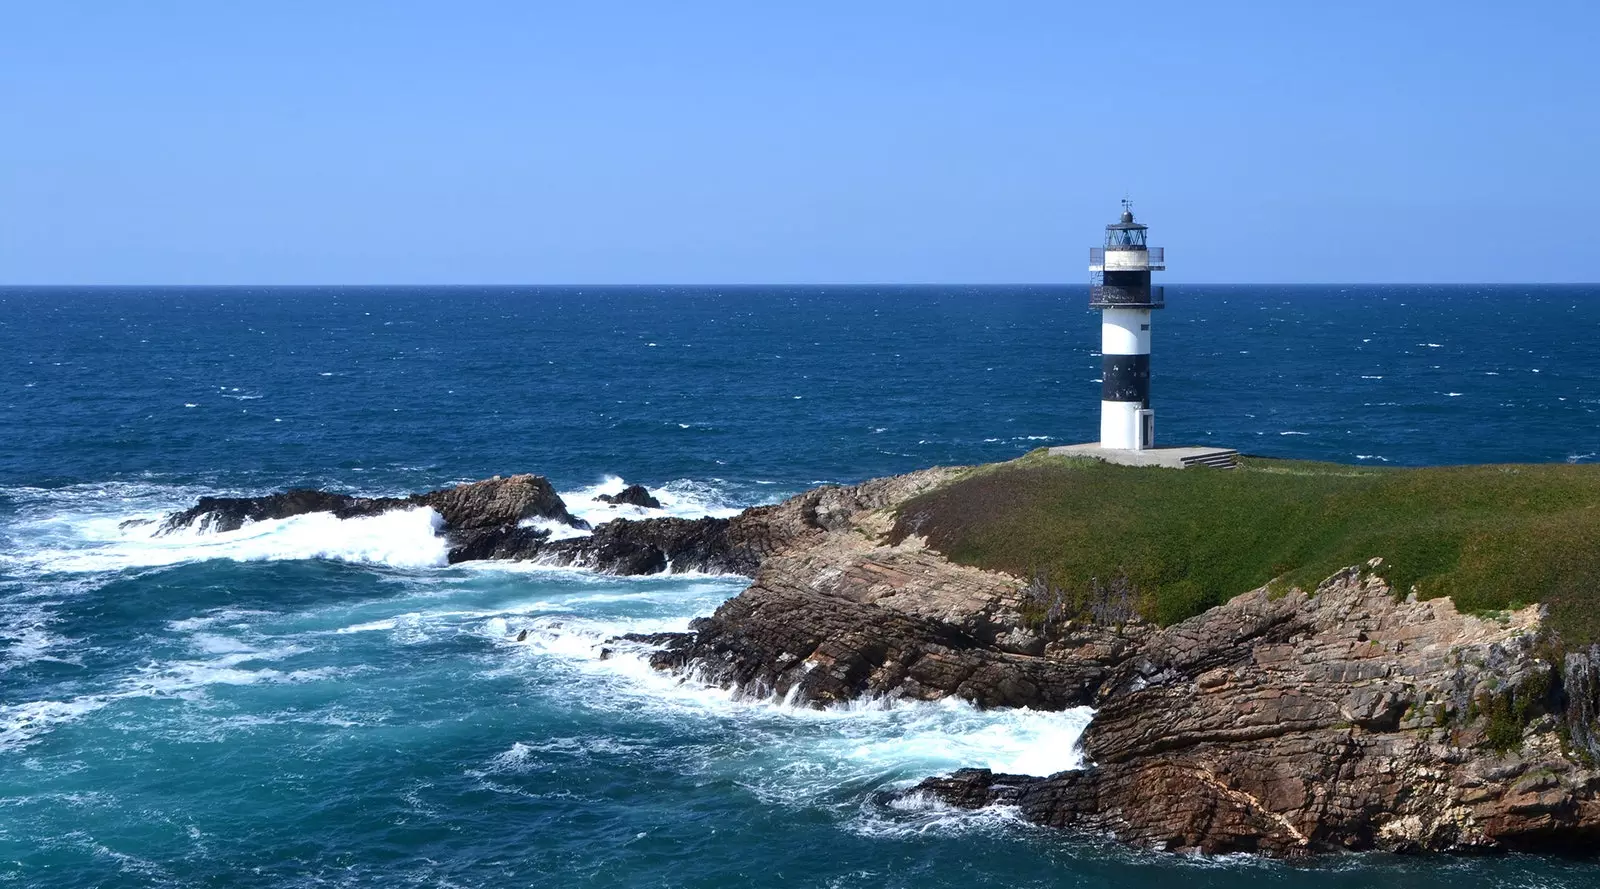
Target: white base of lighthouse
<point x="1127" y="425"/>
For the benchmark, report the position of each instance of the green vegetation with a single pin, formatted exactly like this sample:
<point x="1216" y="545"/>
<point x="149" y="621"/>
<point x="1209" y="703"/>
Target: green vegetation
<point x="1492" y="537"/>
<point x="1510" y="711"/>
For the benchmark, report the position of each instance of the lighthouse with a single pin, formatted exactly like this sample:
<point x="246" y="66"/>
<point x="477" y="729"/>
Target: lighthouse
<point x="1119" y="286"/>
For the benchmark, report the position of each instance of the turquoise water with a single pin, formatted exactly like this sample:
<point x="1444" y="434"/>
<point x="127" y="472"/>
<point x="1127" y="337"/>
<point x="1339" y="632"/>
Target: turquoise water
<point x="316" y="703"/>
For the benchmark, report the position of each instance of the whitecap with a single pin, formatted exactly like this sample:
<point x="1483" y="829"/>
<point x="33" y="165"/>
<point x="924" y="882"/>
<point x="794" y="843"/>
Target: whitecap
<point x="679" y="498"/>
<point x="401" y="539"/>
<point x="22" y="723"/>
<point x="210" y="619"/>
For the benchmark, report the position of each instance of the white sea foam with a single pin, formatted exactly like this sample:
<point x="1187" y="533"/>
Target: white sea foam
<point x="401" y="539"/>
<point x="223" y="661"/>
<point x="554" y="529"/>
<point x="917" y="814"/>
<point x="785" y="752"/>
<point x="681" y="498"/>
<point x="212" y="618"/>
<point x="112" y="527"/>
<point x="22" y="723"/>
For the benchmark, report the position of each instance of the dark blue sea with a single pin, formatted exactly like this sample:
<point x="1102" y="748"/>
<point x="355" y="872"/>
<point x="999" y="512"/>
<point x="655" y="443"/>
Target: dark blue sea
<point x="312" y="703"/>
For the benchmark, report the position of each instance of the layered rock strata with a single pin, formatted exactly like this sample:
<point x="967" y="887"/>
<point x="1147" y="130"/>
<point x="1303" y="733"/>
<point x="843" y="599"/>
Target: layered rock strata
<point x="1343" y="719"/>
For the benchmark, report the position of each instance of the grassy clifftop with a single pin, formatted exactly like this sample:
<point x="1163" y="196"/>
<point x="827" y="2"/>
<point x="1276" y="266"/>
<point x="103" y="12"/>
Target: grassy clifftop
<point x="1491" y="537"/>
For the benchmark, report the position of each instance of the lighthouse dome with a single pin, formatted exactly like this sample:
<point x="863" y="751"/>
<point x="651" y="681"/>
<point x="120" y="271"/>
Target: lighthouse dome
<point x="1127" y="216"/>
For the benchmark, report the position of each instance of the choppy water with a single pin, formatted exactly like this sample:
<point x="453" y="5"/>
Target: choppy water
<point x="315" y="702"/>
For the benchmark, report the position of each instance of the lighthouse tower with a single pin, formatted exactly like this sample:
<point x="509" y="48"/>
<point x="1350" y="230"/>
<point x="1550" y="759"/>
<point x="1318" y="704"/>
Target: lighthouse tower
<point x="1119" y="286"/>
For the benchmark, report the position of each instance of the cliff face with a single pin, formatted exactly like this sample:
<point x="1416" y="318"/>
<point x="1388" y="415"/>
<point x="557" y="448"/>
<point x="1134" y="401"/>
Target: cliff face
<point x="1343" y="719"/>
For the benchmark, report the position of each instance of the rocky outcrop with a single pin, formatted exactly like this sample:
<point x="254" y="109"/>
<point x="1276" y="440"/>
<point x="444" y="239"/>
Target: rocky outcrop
<point x="476" y="505"/>
<point x="1342" y="718"/>
<point x="476" y="517"/>
<point x="1339" y="719"/>
<point x="493" y="519"/>
<point x="844" y="620"/>
<point x="632" y="495"/>
<point x="837" y="614"/>
<point x="222" y="514"/>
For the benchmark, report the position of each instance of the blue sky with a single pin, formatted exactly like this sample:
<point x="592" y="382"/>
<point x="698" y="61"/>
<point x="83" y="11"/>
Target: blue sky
<point x="743" y="142"/>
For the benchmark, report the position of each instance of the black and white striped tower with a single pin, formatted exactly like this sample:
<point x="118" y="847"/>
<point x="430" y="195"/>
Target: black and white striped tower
<point x="1119" y="286"/>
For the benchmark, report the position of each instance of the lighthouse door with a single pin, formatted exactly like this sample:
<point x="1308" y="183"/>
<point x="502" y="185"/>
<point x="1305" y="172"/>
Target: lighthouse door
<point x="1147" y="429"/>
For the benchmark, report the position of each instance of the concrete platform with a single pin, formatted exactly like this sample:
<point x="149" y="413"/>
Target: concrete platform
<point x="1170" y="458"/>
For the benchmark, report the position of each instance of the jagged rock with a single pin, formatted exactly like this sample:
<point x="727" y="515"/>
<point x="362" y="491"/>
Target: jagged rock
<point x="221" y="514"/>
<point x="838" y="622"/>
<point x="1343" y="719"/>
<point x="472" y="506"/>
<point x="479" y="519"/>
<point x="835" y="614"/>
<point x="1581" y="684"/>
<point x="498" y="501"/>
<point x="632" y="495"/>
<point x="650" y="546"/>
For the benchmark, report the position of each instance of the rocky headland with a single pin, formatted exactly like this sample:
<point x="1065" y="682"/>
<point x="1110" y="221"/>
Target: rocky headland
<point x="1285" y="721"/>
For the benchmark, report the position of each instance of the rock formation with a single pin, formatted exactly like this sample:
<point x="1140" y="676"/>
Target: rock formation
<point x="473" y="514"/>
<point x="1286" y="724"/>
<point x="1345" y="718"/>
<point x="632" y="495"/>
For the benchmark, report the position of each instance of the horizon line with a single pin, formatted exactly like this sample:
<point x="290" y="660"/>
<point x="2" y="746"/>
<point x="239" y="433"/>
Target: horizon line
<point x="983" y="284"/>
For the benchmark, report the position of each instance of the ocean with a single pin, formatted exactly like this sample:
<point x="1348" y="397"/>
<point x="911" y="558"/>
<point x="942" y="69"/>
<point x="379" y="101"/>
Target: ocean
<point x="314" y="702"/>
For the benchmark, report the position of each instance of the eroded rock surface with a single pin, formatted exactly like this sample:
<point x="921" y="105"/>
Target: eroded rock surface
<point x="836" y="613"/>
<point x="1343" y="719"/>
